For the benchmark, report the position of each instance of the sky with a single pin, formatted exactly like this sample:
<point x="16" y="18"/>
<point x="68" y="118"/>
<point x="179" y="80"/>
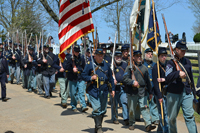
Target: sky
<point x="179" y="18"/>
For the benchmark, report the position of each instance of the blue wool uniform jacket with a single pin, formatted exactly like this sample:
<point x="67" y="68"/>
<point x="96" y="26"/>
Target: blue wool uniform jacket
<point x="5" y="67"/>
<point x="15" y="62"/>
<point x="119" y="72"/>
<point x="108" y="58"/>
<point x="30" y="65"/>
<point x="175" y="84"/>
<point x="6" y="54"/>
<point x="48" y="68"/>
<point x="155" y="81"/>
<point x="149" y="67"/>
<point x="80" y="64"/>
<point x="87" y="74"/>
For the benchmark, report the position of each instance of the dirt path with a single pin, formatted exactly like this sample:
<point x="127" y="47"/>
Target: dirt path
<point x="27" y="112"/>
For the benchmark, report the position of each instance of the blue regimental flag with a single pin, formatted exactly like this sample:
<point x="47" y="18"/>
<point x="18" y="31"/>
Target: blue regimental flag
<point x="150" y="37"/>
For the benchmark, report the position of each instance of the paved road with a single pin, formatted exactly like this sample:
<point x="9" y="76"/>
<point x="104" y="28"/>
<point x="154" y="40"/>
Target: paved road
<point x="27" y="112"/>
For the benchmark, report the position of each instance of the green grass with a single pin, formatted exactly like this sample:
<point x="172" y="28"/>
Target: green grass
<point x="197" y="116"/>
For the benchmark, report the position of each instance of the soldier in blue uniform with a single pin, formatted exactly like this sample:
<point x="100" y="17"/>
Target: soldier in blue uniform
<point x="98" y="91"/>
<point x="48" y="71"/>
<point x="6" y="54"/>
<point x="30" y="64"/>
<point x="179" y="91"/>
<point x="17" y="56"/>
<point x="76" y="84"/>
<point x="125" y="51"/>
<point x="106" y="56"/>
<point x="152" y="106"/>
<point x="61" y="75"/>
<point x="160" y="96"/>
<point x="39" y="72"/>
<point x="4" y="74"/>
<point x="136" y="91"/>
<point x="120" y="95"/>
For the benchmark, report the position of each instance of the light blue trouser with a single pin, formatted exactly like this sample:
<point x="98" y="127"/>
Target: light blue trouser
<point x="10" y="69"/>
<point x="34" y="83"/>
<point x="174" y="102"/>
<point x="48" y="82"/>
<point x="30" y="81"/>
<point x="153" y="109"/>
<point x="17" y="70"/>
<point x="119" y="96"/>
<point x="162" y="128"/>
<point x="99" y="105"/>
<point x="77" y="88"/>
<point x="39" y="83"/>
<point x="63" y="89"/>
<point x="23" y="80"/>
<point x="132" y="103"/>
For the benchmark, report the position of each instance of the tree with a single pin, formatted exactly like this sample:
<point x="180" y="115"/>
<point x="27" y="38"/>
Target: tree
<point x="196" y="38"/>
<point x="195" y="7"/>
<point x="21" y="15"/>
<point x="96" y="5"/>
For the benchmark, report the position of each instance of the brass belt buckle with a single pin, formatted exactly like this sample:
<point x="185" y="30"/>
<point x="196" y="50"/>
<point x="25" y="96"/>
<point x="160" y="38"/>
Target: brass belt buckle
<point x="184" y="80"/>
<point x="101" y="82"/>
<point x="49" y="66"/>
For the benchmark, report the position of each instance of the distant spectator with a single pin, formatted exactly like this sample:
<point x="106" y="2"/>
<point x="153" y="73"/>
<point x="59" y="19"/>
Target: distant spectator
<point x="171" y="36"/>
<point x="184" y="37"/>
<point x="109" y="40"/>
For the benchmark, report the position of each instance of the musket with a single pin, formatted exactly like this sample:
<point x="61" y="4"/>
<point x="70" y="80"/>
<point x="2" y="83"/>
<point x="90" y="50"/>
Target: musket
<point x="47" y="39"/>
<point x="132" y="63"/>
<point x="42" y="43"/>
<point x="113" y="73"/>
<point x="174" y="58"/>
<point x="112" y="62"/>
<point x="139" y="36"/>
<point x="12" y="44"/>
<point x="22" y="45"/>
<point x="94" y="70"/>
<point x="37" y="46"/>
<point x="73" y="63"/>
<point x="29" y="56"/>
<point x="85" y="49"/>
<point x="25" y="44"/>
<point x="17" y="37"/>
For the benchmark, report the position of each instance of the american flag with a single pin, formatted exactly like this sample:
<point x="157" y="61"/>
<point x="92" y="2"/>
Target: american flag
<point x="75" y="20"/>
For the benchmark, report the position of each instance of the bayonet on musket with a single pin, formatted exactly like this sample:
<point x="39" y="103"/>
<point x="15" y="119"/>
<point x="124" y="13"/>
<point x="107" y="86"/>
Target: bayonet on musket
<point x="112" y="62"/>
<point x="97" y="80"/>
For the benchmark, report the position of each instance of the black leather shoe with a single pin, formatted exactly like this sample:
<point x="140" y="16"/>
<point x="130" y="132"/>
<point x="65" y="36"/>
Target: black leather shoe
<point x="4" y="99"/>
<point x="64" y="105"/>
<point x="150" y="127"/>
<point x="126" y="122"/>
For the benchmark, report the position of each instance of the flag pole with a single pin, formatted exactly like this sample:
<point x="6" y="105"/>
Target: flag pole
<point x="94" y="49"/>
<point x="161" y="105"/>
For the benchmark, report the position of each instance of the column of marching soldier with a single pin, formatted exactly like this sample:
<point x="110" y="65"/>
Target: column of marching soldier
<point x="76" y="77"/>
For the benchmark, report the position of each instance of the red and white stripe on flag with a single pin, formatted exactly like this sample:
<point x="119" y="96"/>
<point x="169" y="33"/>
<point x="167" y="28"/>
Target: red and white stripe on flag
<point x="75" y="20"/>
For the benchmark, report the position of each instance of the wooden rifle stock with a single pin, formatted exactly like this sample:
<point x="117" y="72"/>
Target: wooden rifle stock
<point x="132" y="63"/>
<point x="178" y="68"/>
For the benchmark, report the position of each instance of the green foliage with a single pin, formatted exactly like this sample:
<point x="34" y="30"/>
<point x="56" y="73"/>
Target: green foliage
<point x="196" y="38"/>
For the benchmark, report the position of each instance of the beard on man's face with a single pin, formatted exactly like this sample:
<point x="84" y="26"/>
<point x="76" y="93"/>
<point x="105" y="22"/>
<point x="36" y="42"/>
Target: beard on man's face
<point x="148" y="59"/>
